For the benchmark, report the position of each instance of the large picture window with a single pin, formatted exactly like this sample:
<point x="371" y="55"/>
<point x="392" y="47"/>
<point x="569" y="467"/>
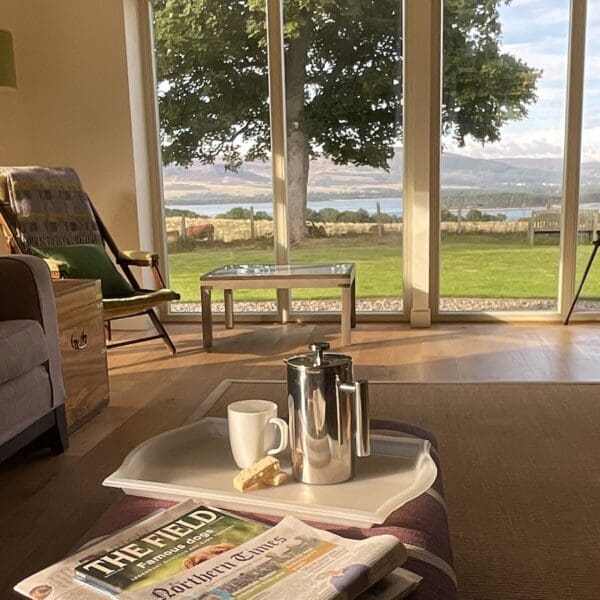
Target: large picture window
<point x="344" y="107"/>
<point x="211" y="62"/>
<point x="505" y="94"/>
<point x="589" y="193"/>
<point x="344" y="131"/>
<point x="504" y="90"/>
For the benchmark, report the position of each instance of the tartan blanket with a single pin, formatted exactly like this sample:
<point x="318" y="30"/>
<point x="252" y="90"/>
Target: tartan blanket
<point x="49" y="208"/>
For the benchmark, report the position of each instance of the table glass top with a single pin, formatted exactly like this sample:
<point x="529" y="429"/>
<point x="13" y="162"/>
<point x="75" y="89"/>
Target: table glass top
<point x="317" y="270"/>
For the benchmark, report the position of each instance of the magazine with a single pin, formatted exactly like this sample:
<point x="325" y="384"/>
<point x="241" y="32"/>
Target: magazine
<point x="165" y="552"/>
<point x="58" y="583"/>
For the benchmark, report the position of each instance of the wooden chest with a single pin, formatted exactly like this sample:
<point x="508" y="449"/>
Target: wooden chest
<point x="83" y="348"/>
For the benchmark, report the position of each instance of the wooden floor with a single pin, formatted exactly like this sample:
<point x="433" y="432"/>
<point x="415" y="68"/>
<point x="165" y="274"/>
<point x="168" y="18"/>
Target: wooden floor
<point x="47" y="503"/>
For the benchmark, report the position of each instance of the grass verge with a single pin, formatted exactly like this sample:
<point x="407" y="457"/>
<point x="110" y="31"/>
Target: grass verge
<point x="472" y="266"/>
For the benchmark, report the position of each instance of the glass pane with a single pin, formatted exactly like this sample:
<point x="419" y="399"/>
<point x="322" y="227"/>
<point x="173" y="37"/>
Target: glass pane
<point x="504" y="87"/>
<point x="589" y="193"/>
<point x="214" y="117"/>
<point x="344" y="111"/>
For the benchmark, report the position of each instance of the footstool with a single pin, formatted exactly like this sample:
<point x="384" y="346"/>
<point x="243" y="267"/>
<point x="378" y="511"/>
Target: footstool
<point x="421" y="524"/>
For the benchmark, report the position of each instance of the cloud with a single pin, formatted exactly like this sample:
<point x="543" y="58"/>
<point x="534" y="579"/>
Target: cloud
<point x="593" y="16"/>
<point x="523" y="3"/>
<point x="536" y="31"/>
<point x="529" y="148"/>
<point x="592" y="64"/>
<point x="517" y="18"/>
<point x="547" y="12"/>
<point x="543" y="56"/>
<point x="590" y="140"/>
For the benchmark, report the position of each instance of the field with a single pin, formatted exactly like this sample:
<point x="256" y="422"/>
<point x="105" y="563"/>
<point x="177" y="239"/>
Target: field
<point x="472" y="266"/>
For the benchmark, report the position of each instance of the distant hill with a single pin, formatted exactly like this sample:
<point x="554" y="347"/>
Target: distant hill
<point x="255" y="172"/>
<point x="534" y="180"/>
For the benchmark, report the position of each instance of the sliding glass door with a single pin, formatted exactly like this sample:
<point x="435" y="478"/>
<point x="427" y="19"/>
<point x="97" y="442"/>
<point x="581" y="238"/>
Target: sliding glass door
<point x="344" y="171"/>
<point x="344" y="129"/>
<point x="504" y="90"/>
<point x="589" y="192"/>
<point x="212" y="78"/>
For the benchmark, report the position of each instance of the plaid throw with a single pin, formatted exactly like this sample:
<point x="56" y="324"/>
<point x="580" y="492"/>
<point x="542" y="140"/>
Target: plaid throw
<point x="49" y="208"/>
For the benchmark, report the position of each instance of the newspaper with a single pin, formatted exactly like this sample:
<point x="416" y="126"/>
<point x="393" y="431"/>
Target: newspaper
<point x="57" y="582"/>
<point x="399" y="584"/>
<point x="292" y="565"/>
<point x="288" y="562"/>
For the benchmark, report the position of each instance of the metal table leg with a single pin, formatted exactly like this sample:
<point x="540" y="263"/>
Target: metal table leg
<point x="205" y="299"/>
<point x="346" y="314"/>
<point x="353" y="300"/>
<point x="228" y="294"/>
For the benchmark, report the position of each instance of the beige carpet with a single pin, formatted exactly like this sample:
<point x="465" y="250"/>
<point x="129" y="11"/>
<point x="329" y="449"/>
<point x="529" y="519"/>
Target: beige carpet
<point x="522" y="477"/>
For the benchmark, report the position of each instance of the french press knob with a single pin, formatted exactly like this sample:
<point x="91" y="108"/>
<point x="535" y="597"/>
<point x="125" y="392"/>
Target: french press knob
<point x="318" y="348"/>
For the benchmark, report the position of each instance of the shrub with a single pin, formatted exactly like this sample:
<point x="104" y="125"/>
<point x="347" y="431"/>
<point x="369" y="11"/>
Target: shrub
<point x="244" y="213"/>
<point x="177" y="212"/>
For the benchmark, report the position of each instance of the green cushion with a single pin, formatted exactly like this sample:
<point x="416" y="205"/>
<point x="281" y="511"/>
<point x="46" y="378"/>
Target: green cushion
<point x="140" y="301"/>
<point x="90" y="261"/>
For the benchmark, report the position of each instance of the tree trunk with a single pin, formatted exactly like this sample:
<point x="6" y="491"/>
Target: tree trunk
<point x="297" y="171"/>
<point x="297" y="139"/>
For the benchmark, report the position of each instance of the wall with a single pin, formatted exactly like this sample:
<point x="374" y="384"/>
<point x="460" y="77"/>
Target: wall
<point x="72" y="106"/>
<point x="81" y="102"/>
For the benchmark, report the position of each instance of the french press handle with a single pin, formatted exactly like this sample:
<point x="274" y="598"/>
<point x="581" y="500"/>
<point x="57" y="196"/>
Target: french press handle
<point x="360" y="391"/>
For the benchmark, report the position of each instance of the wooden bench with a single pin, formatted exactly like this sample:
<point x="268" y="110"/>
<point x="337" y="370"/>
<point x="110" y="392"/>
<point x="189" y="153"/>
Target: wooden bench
<point x="549" y="221"/>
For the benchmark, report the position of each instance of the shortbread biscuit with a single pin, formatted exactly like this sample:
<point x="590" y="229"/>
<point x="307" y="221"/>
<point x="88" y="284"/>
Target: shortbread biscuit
<point x="275" y="479"/>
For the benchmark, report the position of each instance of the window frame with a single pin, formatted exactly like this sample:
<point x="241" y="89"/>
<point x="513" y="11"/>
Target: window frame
<point x="422" y="82"/>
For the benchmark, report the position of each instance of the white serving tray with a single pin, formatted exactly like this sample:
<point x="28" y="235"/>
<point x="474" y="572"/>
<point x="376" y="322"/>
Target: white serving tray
<point x="194" y="461"/>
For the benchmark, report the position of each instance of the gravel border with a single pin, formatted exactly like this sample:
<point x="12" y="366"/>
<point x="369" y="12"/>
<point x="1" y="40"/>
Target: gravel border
<point x="390" y="305"/>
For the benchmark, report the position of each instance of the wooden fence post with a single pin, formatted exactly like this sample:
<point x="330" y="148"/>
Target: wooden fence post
<point x="531" y="232"/>
<point x="379" y="223"/>
<point x="459" y="220"/>
<point x="252" y="222"/>
<point x="183" y="234"/>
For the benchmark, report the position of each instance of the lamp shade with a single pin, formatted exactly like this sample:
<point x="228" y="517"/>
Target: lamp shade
<point x="8" y="73"/>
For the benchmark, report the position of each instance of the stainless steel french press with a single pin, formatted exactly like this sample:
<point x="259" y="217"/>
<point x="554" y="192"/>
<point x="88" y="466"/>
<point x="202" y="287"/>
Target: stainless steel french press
<point x="328" y="416"/>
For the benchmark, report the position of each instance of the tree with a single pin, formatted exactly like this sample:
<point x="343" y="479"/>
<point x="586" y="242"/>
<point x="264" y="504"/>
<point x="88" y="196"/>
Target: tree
<point x="343" y="82"/>
<point x="448" y="217"/>
<point x="474" y="215"/>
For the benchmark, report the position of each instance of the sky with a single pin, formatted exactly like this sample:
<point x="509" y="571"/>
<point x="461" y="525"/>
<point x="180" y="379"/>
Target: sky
<point x="537" y="32"/>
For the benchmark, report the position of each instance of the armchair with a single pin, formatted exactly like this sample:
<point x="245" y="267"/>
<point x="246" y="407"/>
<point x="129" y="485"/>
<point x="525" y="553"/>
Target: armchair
<point x="46" y="212"/>
<point x="32" y="394"/>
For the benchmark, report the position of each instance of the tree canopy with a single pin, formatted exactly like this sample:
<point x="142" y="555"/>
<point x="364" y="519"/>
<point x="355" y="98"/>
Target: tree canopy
<point x="343" y="81"/>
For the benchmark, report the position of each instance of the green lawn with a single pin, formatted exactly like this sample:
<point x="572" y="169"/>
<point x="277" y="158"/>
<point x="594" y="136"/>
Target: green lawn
<point x="472" y="266"/>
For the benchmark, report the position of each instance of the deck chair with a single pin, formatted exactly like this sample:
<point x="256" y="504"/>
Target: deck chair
<point x="46" y="212"/>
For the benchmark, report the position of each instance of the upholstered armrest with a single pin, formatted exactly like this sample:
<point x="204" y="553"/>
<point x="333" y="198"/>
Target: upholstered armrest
<point x="138" y="258"/>
<point x="27" y="293"/>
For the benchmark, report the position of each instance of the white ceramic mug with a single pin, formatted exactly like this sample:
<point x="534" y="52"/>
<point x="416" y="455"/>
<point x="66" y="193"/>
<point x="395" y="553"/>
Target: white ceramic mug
<point x="252" y="425"/>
